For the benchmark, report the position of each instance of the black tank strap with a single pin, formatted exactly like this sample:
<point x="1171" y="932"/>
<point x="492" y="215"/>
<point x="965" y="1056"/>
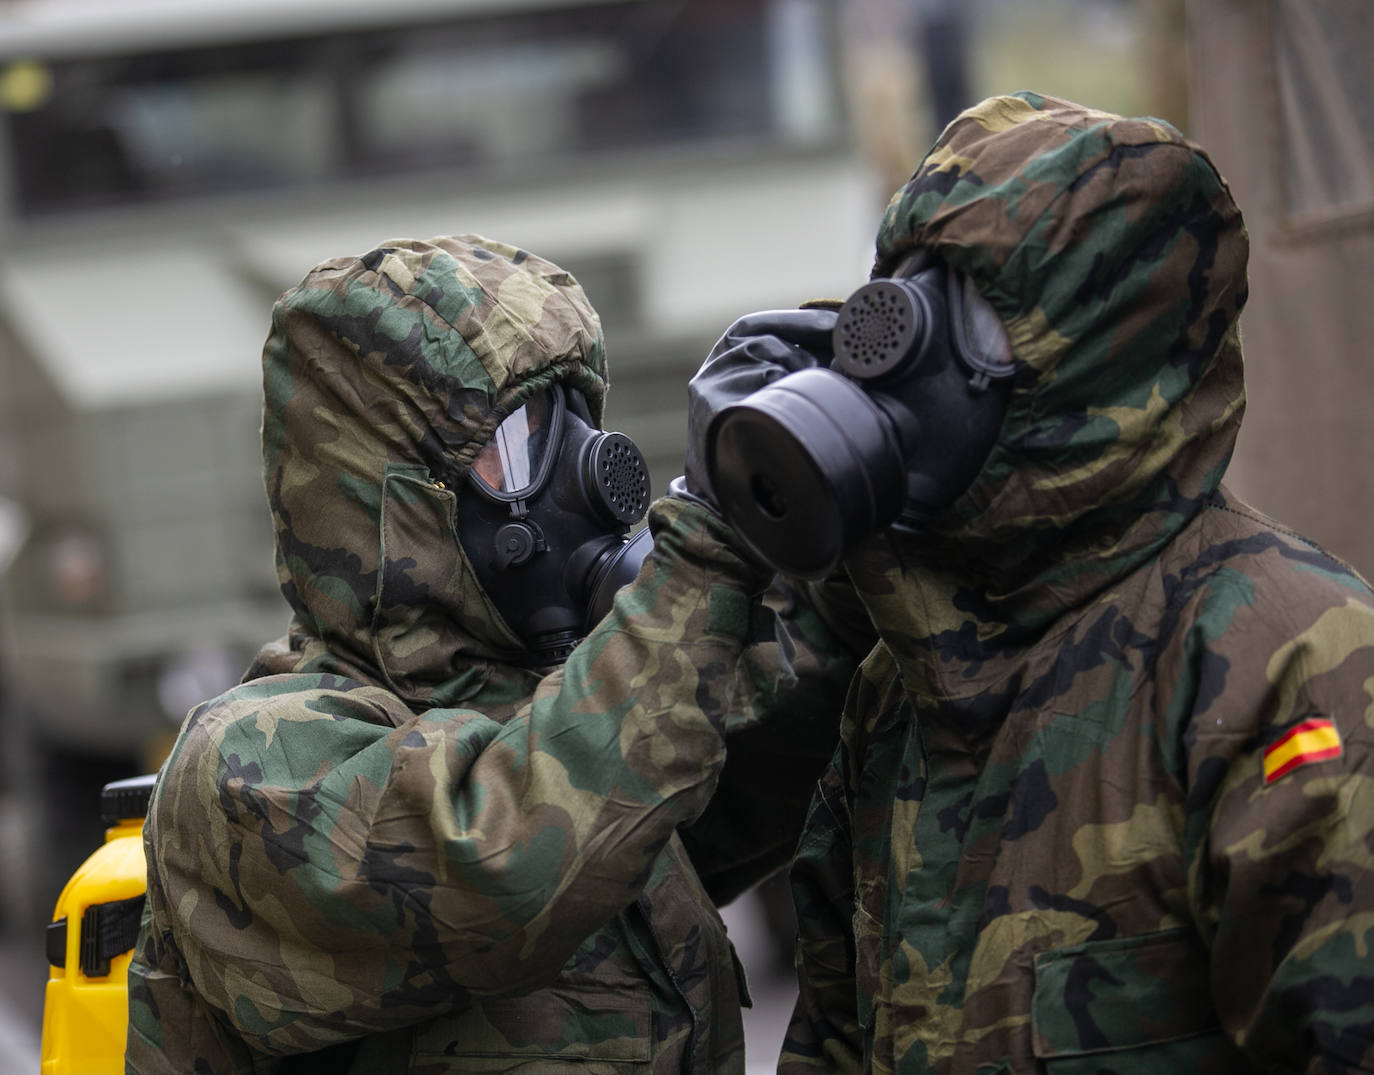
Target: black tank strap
<point x="107" y="930"/>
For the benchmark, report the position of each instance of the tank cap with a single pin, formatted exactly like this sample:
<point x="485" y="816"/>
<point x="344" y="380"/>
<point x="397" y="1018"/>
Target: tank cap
<point x="124" y="799"/>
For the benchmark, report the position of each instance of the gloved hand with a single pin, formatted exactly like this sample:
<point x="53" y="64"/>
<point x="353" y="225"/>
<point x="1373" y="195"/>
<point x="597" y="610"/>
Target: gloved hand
<point x="756" y="350"/>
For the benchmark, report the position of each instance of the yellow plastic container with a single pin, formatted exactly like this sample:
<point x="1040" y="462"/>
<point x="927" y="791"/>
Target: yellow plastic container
<point x="90" y="941"/>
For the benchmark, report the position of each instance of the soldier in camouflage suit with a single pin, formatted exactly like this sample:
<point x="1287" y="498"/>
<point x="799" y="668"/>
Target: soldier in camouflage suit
<point x="1104" y="798"/>
<point x="395" y="847"/>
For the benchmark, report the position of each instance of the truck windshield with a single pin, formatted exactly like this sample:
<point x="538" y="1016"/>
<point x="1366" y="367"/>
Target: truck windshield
<point x="496" y="94"/>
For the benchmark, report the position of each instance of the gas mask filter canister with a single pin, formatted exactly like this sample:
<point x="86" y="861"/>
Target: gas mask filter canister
<point x="895" y="429"/>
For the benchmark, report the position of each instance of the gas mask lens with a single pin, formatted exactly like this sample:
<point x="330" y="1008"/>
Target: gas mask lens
<point x="517" y="458"/>
<point x="893" y="431"/>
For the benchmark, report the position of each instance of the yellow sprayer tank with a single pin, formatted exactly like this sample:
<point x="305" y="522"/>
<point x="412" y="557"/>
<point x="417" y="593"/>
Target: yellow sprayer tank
<point x="90" y="940"/>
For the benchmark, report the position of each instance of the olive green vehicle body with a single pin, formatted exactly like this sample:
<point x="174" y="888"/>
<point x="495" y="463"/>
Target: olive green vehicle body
<point x="226" y="146"/>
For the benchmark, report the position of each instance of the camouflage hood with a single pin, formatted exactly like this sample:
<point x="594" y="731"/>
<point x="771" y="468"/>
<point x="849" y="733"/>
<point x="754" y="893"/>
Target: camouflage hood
<point x="383" y="377"/>
<point x="1115" y="256"/>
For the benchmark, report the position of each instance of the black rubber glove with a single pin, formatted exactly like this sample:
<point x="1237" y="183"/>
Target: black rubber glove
<point x="756" y="350"/>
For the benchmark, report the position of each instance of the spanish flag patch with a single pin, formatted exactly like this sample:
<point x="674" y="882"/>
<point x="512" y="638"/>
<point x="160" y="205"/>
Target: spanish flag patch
<point x="1315" y="739"/>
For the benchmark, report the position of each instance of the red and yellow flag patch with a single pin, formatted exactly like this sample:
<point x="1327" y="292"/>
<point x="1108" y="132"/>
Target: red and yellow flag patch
<point x="1315" y="739"/>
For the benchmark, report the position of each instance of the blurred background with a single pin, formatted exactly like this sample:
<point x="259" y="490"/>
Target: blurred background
<point x="168" y="168"/>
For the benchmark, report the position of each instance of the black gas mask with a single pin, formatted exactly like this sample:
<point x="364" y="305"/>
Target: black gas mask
<point x="545" y="529"/>
<point x="894" y="430"/>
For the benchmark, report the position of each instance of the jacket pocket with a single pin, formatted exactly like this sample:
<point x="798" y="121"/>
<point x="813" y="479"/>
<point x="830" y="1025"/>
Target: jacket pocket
<point x="1146" y="999"/>
<point x="584" y="1027"/>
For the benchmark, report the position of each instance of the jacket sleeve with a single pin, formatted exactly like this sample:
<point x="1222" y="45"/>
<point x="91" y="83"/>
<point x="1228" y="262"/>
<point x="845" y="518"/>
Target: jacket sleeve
<point x="333" y="865"/>
<point x="1280" y="823"/>
<point x="797" y="667"/>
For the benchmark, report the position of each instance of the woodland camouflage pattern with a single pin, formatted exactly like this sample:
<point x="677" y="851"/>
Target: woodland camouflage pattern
<point x="394" y="846"/>
<point x="1046" y="842"/>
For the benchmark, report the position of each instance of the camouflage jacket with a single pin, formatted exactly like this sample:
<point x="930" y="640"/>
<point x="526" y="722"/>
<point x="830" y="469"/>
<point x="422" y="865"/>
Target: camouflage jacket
<point x="394" y="847"/>
<point x="1104" y="799"/>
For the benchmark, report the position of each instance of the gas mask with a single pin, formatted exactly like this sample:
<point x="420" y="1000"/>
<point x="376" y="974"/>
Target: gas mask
<point x="553" y="499"/>
<point x="894" y="430"/>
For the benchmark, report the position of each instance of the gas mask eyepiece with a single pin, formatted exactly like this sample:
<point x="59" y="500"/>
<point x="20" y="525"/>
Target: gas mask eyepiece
<point x="546" y="532"/>
<point x="894" y="430"/>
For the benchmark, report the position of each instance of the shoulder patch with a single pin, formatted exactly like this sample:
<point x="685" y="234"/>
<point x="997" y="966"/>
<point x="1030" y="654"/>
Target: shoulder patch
<point x="1314" y="739"/>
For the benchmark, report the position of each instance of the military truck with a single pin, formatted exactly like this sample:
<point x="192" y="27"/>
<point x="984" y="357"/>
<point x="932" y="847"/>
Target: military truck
<point x="169" y="168"/>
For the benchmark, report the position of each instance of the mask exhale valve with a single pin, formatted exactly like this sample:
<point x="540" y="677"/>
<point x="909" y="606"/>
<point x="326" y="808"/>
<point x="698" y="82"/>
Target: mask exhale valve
<point x="883" y="326"/>
<point x="894" y="430"/>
